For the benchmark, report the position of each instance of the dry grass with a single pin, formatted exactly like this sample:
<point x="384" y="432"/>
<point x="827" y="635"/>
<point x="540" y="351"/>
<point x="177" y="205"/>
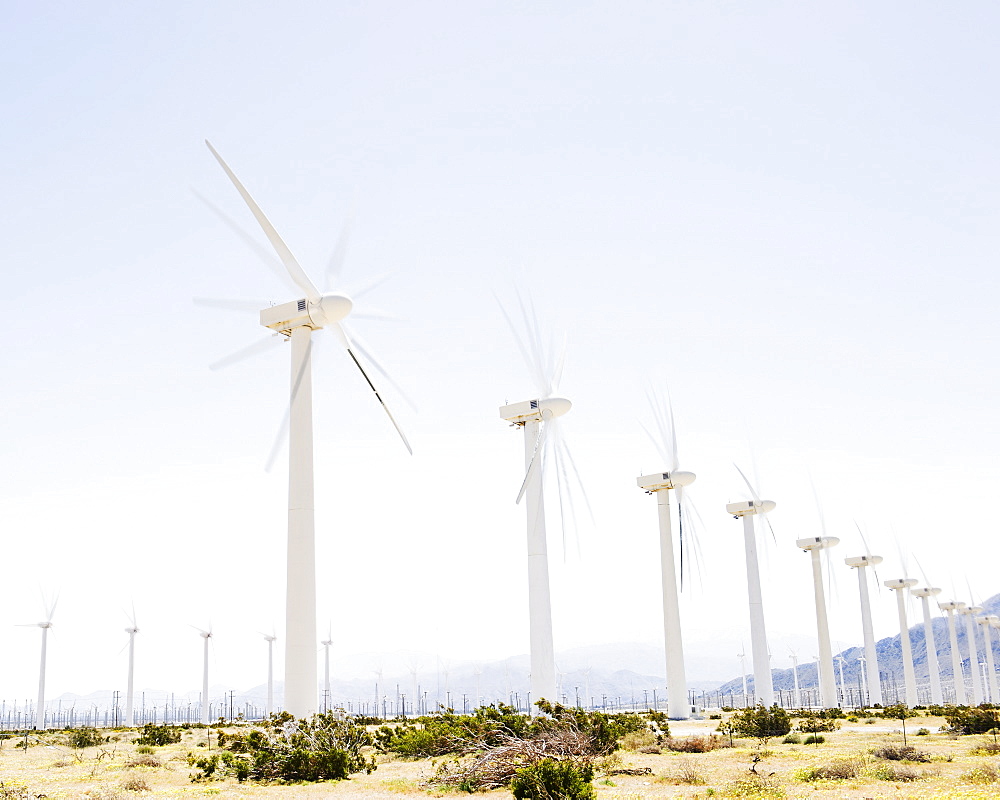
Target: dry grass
<point x="103" y="773"/>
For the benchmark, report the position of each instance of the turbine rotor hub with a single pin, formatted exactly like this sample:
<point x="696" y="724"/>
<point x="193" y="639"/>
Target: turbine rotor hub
<point x="330" y="309"/>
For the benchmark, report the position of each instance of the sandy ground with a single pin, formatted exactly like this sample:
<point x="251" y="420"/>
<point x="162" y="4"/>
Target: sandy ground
<point x="111" y="772"/>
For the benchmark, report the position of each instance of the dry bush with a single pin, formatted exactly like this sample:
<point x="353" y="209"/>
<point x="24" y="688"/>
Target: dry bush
<point x="135" y="783"/>
<point x="687" y="772"/>
<point x="982" y="774"/>
<point x="753" y="785"/>
<point x="637" y="740"/>
<point x="143" y="760"/>
<point x="987" y="749"/>
<point x="695" y="744"/>
<point x="103" y="793"/>
<point x="840" y="770"/>
<point x="892" y="752"/>
<point x="651" y="750"/>
<point x="898" y="774"/>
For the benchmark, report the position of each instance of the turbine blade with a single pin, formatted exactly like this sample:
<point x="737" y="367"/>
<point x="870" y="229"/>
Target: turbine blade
<point x="265" y="255"/>
<point x="753" y="492"/>
<point x="525" y="354"/>
<point x="575" y="474"/>
<point x="657" y="444"/>
<point x="294" y="270"/>
<point x="336" y="263"/>
<point x="536" y="459"/>
<point x="339" y="328"/>
<point x="372" y="285"/>
<point x="244" y="352"/>
<point x="282" y="435"/>
<point x="673" y="432"/>
<point x="366" y="353"/>
<point x="229" y="305"/>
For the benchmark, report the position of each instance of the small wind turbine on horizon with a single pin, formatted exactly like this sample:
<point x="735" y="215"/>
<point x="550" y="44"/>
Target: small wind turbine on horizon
<point x="205" y="635"/>
<point x="296" y="321"/>
<point x="542" y="446"/>
<point x="660" y="484"/>
<point x="991" y="668"/>
<point x="747" y="510"/>
<point x="131" y="630"/>
<point x="270" y="638"/>
<point x="326" y="669"/>
<point x="50" y="610"/>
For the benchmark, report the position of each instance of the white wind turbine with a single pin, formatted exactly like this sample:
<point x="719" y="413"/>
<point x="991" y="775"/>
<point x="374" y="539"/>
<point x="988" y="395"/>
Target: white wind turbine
<point x="326" y="668"/>
<point x="925" y="593"/>
<point x="296" y="321"/>
<point x="40" y="704"/>
<point x="957" y="672"/>
<point x="131" y="630"/>
<point x="860" y="563"/>
<point x="747" y="510"/>
<point x="827" y="682"/>
<point x="270" y="638"/>
<point x="969" y="612"/>
<point x="900" y="585"/>
<point x="991" y="667"/>
<point x="542" y="445"/>
<point x="660" y="484"/>
<point x="205" y="635"/>
<point x="742" y="655"/>
<point x="797" y="698"/>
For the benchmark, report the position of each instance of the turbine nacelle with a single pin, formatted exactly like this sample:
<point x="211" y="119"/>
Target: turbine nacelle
<point x="971" y="610"/>
<point x="926" y="591"/>
<point x="535" y="410"/>
<point x="816" y="542"/>
<point x="745" y="508"/>
<point x="863" y="561"/>
<point x="899" y="584"/>
<point x="327" y="310"/>
<point x="951" y="605"/>
<point x="665" y="480"/>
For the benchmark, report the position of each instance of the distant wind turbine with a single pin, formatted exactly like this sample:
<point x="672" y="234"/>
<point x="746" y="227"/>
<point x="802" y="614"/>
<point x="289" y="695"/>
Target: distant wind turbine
<point x="860" y="563"/>
<point x="747" y="510"/>
<point x="900" y="585"/>
<point x="991" y="667"/>
<point x="957" y="672"/>
<point x="969" y="612"/>
<point x="828" y="688"/>
<point x="206" y="635"/>
<point x="40" y="704"/>
<point x="269" y="638"/>
<point x="326" y="668"/>
<point x="930" y="645"/>
<point x="131" y="630"/>
<point x="296" y="321"/>
<point x="660" y="484"/>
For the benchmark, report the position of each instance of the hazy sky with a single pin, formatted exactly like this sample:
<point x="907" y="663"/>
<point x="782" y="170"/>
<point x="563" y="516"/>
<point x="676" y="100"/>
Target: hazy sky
<point x="785" y="212"/>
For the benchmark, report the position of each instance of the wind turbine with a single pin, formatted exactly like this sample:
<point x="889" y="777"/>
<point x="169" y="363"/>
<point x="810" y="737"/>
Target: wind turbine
<point x="206" y="635"/>
<point x="827" y="681"/>
<point x="957" y="672"/>
<point x="270" y="638"/>
<point x="660" y="484"/>
<point x="296" y="321"/>
<point x="40" y="705"/>
<point x="991" y="667"/>
<point x="969" y="612"/>
<point x="747" y="510"/>
<point x="795" y="677"/>
<point x="326" y="668"/>
<point x="742" y="655"/>
<point x="871" y="657"/>
<point x="132" y="630"/>
<point x="536" y="418"/>
<point x="925" y="593"/>
<point x="899" y="585"/>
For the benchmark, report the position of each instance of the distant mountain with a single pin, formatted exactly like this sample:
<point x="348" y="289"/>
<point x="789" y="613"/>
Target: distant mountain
<point x="890" y="661"/>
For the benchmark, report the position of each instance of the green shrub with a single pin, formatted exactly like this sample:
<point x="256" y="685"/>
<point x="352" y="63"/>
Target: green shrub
<point x="549" y="779"/>
<point x="817" y="722"/>
<point x="761" y="723"/>
<point x="792" y="738"/>
<point x="84" y="737"/>
<point x="978" y="719"/>
<point x="923" y="732"/>
<point x="158" y="735"/>
<point x="984" y="773"/>
<point x="815" y="738"/>
<point x="892" y="752"/>
<point x="840" y="770"/>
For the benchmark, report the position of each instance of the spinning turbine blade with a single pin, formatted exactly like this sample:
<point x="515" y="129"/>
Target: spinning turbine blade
<point x="229" y="305"/>
<point x="757" y="501"/>
<point x="294" y="270"/>
<point x="336" y="263"/>
<point x="359" y="345"/>
<point x="347" y="343"/>
<point x="244" y="352"/>
<point x="536" y="459"/>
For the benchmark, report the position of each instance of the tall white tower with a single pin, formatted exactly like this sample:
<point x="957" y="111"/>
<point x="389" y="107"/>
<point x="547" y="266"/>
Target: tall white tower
<point x="933" y="669"/>
<point x="874" y="684"/>
<point x="900" y="585"/>
<point x="969" y="612"/>
<point x="991" y="667"/>
<point x="957" y="673"/>
<point x="827" y="682"/>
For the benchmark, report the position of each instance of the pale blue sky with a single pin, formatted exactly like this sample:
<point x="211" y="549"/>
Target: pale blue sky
<point x="788" y="212"/>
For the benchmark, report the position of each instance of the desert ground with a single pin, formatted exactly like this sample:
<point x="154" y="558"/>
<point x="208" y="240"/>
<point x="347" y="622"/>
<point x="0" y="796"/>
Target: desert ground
<point x="958" y="767"/>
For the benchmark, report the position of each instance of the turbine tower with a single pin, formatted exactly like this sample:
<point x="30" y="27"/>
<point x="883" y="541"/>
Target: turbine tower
<point x="871" y="657"/>
<point x="326" y="669"/>
<point x="797" y="698"/>
<point x="132" y="630"/>
<point x="660" y="484"/>
<point x="925" y="593"/>
<point x="40" y="704"/>
<point x="296" y="321"/>
<point x="827" y="680"/>
<point x="991" y="667"/>
<point x="899" y="585"/>
<point x="969" y="612"/>
<point x="206" y="635"/>
<point x="269" y="638"/>
<point x="747" y="510"/>
<point x="957" y="673"/>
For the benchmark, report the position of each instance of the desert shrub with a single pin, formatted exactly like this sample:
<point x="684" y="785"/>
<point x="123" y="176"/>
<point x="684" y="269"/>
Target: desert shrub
<point x="687" y="772"/>
<point x="694" y="744"/>
<point x="549" y="779"/>
<point x="14" y="790"/>
<point x="817" y="722"/>
<point x="753" y="785"/>
<point x="158" y="735"/>
<point x="440" y="734"/>
<point x="840" y="770"/>
<point x="715" y="716"/>
<point x="892" y="752"/>
<point x="792" y="738"/>
<point x="135" y="783"/>
<point x="637" y="740"/>
<point x="983" y="773"/>
<point x="145" y="749"/>
<point x="815" y="738"/>
<point x="761" y="723"/>
<point x="923" y="732"/>
<point x="978" y="719"/>
<point x="84" y="737"/>
<point x="286" y="751"/>
<point x="143" y="760"/>
<point x="869" y="720"/>
<point x="987" y="749"/>
<point x="892" y="772"/>
<point x="651" y="750"/>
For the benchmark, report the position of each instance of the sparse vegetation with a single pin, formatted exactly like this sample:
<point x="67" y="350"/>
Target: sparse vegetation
<point x="761" y="723"/>
<point x="890" y="752"/>
<point x="158" y="735"/>
<point x="549" y="779"/>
